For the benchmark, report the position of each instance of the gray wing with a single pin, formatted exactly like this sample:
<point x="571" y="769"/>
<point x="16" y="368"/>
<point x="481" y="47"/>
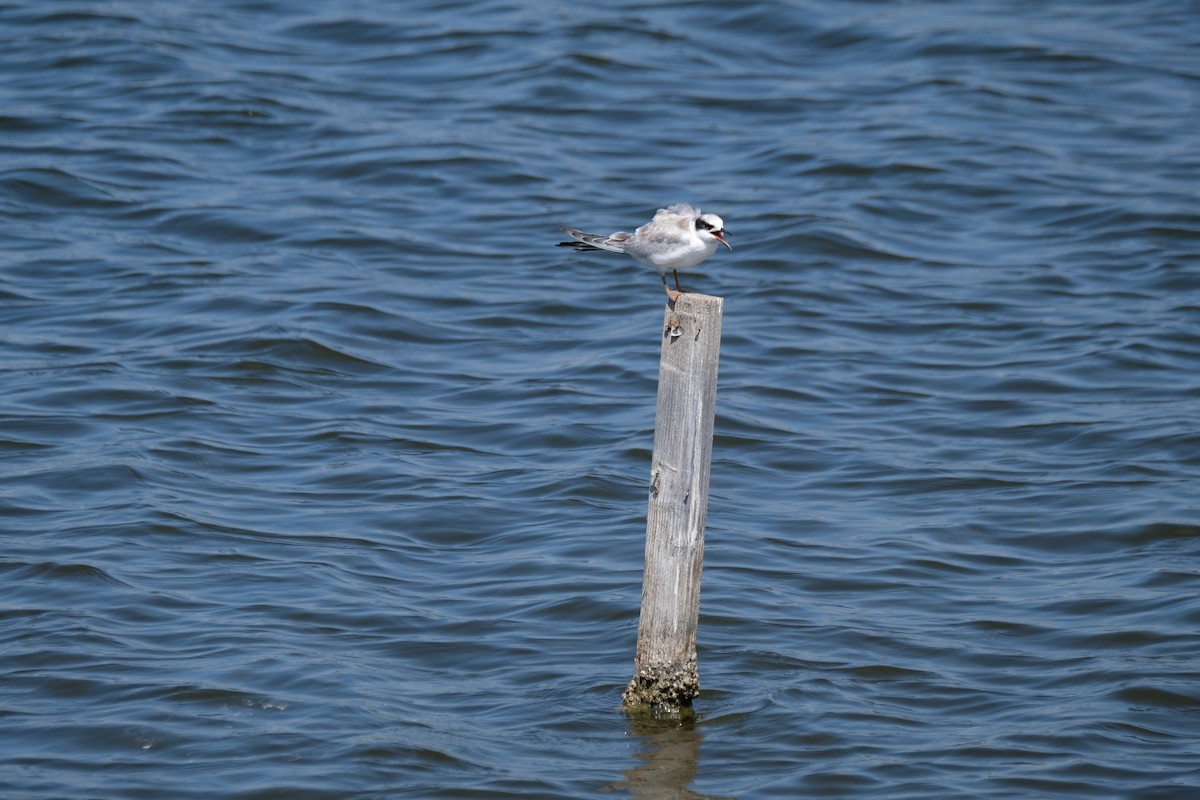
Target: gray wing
<point x="614" y="243"/>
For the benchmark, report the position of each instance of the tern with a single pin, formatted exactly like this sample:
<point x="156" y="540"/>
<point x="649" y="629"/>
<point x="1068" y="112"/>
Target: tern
<point x="678" y="237"/>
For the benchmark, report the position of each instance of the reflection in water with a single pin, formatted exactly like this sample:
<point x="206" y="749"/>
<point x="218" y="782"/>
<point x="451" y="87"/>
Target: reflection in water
<point x="669" y="756"/>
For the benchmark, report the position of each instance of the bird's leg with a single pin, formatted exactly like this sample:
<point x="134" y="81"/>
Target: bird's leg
<point x="672" y="296"/>
<point x="678" y="288"/>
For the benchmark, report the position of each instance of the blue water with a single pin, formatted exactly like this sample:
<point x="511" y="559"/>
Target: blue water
<point x="323" y="472"/>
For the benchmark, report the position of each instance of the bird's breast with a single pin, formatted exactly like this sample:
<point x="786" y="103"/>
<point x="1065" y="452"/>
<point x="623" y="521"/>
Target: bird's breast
<point x="679" y="257"/>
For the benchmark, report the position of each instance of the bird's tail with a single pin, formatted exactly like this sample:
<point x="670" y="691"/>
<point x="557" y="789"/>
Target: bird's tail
<point x="614" y="243"/>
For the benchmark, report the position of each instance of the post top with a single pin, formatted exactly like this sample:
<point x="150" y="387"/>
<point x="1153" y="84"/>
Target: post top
<point x="690" y="299"/>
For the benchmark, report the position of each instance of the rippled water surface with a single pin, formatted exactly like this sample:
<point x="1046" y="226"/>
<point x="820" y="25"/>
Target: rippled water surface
<point x="323" y="473"/>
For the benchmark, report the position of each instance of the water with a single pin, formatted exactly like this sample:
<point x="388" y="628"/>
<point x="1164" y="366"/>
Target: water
<point x="324" y="472"/>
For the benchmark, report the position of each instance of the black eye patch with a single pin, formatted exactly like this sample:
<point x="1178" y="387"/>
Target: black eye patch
<point x="702" y="225"/>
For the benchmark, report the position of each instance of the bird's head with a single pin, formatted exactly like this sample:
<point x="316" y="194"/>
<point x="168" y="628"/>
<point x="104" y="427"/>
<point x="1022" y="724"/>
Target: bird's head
<point x="710" y="226"/>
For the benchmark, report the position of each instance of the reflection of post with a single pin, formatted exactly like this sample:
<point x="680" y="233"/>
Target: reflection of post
<point x="669" y="752"/>
<point x="665" y="668"/>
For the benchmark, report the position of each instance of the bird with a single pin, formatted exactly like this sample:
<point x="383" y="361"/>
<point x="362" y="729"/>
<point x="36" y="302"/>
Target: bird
<point x="678" y="237"/>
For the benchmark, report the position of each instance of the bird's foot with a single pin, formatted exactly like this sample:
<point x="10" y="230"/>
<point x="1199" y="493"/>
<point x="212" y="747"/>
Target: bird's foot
<point x="672" y="294"/>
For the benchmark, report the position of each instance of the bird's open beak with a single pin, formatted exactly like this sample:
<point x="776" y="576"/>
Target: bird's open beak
<point x="720" y="237"/>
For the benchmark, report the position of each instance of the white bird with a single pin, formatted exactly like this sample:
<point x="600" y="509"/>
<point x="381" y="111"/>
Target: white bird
<point x="678" y="237"/>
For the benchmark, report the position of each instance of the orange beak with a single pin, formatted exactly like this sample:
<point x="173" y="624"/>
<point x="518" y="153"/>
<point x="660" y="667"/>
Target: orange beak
<point x="720" y="237"/>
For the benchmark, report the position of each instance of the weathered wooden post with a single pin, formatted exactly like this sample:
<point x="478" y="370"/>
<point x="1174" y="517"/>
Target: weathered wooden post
<point x="665" y="666"/>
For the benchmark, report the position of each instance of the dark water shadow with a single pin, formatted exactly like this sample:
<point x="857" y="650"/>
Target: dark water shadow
<point x="668" y="758"/>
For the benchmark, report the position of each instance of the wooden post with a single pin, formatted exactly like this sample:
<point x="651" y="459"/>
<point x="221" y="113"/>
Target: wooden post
<point x="665" y="667"/>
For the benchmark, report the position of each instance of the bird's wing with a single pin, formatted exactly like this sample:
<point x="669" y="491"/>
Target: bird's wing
<point x="614" y="243"/>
